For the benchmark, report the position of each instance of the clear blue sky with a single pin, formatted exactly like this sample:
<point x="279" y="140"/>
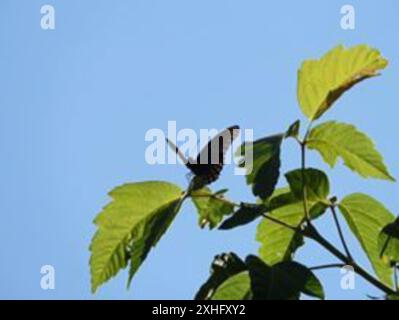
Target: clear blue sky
<point x="76" y="102"/>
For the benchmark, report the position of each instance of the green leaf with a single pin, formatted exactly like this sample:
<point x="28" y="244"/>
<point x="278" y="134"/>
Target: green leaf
<point x="388" y="242"/>
<point x="366" y="218"/>
<point x="223" y="267"/>
<point x="316" y="184"/>
<point x="317" y="187"/>
<point x="283" y="281"/>
<point x="281" y="197"/>
<point x="149" y="233"/>
<point x="293" y="130"/>
<point x="221" y="192"/>
<point x="244" y="215"/>
<point x="130" y="226"/>
<point x="279" y="243"/>
<point x="322" y="82"/>
<point x="393" y="297"/>
<point x="237" y="287"/>
<point x="262" y="163"/>
<point x="211" y="207"/>
<point x="332" y="140"/>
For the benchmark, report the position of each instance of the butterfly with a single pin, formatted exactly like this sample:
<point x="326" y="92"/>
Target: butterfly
<point x="209" y="162"/>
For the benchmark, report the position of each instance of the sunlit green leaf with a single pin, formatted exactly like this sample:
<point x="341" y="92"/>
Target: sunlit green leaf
<point x="333" y="139"/>
<point x="223" y="267"/>
<point x="388" y="242"/>
<point x="237" y="287"/>
<point x="211" y="207"/>
<point x="366" y="218"/>
<point x="279" y="243"/>
<point x="322" y="82"/>
<point x="130" y="226"/>
<point x="261" y="160"/>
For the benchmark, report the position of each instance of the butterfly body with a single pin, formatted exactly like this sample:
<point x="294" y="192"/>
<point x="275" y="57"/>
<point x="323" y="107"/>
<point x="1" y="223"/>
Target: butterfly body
<point x="209" y="163"/>
<point x="208" y="173"/>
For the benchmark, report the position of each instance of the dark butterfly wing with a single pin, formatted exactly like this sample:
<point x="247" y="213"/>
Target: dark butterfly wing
<point x="209" y="162"/>
<point x="215" y="150"/>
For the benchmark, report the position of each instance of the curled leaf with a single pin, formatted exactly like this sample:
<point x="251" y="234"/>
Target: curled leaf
<point x="322" y="82"/>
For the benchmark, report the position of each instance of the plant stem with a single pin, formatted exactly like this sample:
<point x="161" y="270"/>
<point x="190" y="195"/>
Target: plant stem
<point x="312" y="233"/>
<point x="340" y="233"/>
<point x="281" y="223"/>
<point x="303" y="168"/>
<point x="395" y="271"/>
<point x="304" y="192"/>
<point x="328" y="266"/>
<point x="277" y="221"/>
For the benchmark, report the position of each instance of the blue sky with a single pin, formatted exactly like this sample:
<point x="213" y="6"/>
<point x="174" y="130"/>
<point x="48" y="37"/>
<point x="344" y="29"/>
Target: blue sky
<point x="76" y="103"/>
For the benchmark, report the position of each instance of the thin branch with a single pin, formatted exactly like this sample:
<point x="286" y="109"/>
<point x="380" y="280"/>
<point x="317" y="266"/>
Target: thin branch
<point x="303" y="168"/>
<point x="309" y="127"/>
<point x="281" y="223"/>
<point x="304" y="192"/>
<point x="341" y="235"/>
<point x="298" y="140"/>
<point x="275" y="220"/>
<point x="312" y="233"/>
<point x="328" y="266"/>
<point x="395" y="271"/>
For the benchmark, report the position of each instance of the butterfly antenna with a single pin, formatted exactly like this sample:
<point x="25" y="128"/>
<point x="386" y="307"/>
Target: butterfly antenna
<point x="177" y="150"/>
